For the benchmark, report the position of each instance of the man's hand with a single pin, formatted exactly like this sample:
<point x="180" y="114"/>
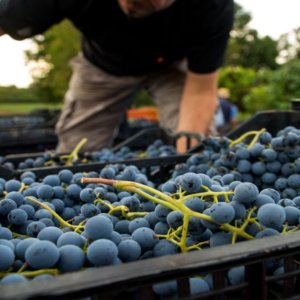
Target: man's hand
<point x="198" y="105"/>
<point x="1" y="31"/>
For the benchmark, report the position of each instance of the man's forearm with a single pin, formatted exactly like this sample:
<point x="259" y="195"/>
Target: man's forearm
<point x="197" y="107"/>
<point x="198" y="103"/>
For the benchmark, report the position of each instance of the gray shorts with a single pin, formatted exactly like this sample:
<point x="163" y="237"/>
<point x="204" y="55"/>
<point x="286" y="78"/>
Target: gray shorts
<point x="96" y="102"/>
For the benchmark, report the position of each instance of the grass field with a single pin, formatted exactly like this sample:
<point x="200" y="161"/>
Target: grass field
<point x="12" y="109"/>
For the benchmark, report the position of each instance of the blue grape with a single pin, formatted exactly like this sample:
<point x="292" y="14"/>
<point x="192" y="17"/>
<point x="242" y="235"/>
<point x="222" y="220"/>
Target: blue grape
<point x="50" y="233"/>
<point x="205" y="224"/>
<point x="198" y="286"/>
<point x="73" y="191"/>
<point x="42" y="213"/>
<point x="5" y="233"/>
<point x="42" y="255"/>
<point x="108" y="172"/>
<point x="58" y="204"/>
<point x="275" y="195"/>
<point x="102" y="252"/>
<point x="129" y="250"/>
<point x="195" y="204"/>
<point x="12" y="185"/>
<point x="258" y="168"/>
<point x="281" y="183"/>
<point x="271" y="215"/>
<point x="256" y="149"/>
<point x="169" y="187"/>
<point x="145" y="237"/>
<point x="88" y="195"/>
<point x="13" y="278"/>
<point x="7" y="257"/>
<point x="236" y="275"/>
<point x="269" y="155"/>
<point x="222" y="212"/>
<point x="65" y="176"/>
<point x="286" y="202"/>
<point x="115" y="237"/>
<point x="152" y="219"/>
<point x="245" y="192"/>
<point x="294" y="181"/>
<point x="175" y="219"/>
<point x="164" y="247"/>
<point x="122" y="226"/>
<point x="71" y="258"/>
<point x="89" y="210"/>
<point x="196" y="226"/>
<point x="7" y="205"/>
<point x="266" y="232"/>
<point x="292" y="215"/>
<point x="265" y="138"/>
<point x="161" y="212"/>
<point x="34" y="228"/>
<point x="137" y="223"/>
<point x="268" y="178"/>
<point x="161" y="228"/>
<point x="243" y="166"/>
<point x="52" y="180"/>
<point x="239" y="209"/>
<point x="17" y="216"/>
<point x="190" y="182"/>
<point x="70" y="238"/>
<point x="17" y="197"/>
<point x="220" y="238"/>
<point x="68" y="212"/>
<point x="45" y="192"/>
<point x="262" y="200"/>
<point x="8" y="243"/>
<point x="42" y="277"/>
<point x="166" y="289"/>
<point x="132" y="202"/>
<point x="98" y="227"/>
<point x="22" y="246"/>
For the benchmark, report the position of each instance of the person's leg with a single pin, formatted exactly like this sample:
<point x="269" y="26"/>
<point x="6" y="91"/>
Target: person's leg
<point x="94" y="105"/>
<point x="166" y="87"/>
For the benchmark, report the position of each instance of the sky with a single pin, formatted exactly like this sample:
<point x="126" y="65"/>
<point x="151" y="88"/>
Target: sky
<point x="269" y="17"/>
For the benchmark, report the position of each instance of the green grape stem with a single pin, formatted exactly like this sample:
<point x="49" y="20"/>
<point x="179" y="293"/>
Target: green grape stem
<point x="173" y="204"/>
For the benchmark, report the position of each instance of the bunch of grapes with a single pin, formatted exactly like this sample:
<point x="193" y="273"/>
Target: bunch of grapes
<point x="71" y="221"/>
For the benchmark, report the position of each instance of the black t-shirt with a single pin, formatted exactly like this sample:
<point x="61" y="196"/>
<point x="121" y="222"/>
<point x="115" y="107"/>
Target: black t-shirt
<point x="195" y="29"/>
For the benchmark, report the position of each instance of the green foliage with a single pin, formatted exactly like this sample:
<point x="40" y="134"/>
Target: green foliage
<point x="239" y="81"/>
<point x="142" y="98"/>
<point x="56" y="47"/>
<point x="289" y="46"/>
<point x="246" y="48"/>
<point x="11" y="94"/>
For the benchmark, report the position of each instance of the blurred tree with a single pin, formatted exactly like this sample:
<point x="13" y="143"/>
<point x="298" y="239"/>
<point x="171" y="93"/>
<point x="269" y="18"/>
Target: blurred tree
<point x="246" y="48"/>
<point x="51" y="55"/>
<point x="289" y="46"/>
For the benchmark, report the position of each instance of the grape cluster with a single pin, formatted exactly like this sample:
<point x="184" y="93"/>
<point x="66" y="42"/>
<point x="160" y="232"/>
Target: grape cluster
<point x="70" y="221"/>
<point x="48" y="158"/>
<point x="268" y="162"/>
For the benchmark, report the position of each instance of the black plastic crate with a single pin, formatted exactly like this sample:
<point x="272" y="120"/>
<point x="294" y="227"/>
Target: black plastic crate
<point x="27" y="140"/>
<point x="271" y="120"/>
<point x="146" y="137"/>
<point x="138" y="142"/>
<point x="134" y="280"/>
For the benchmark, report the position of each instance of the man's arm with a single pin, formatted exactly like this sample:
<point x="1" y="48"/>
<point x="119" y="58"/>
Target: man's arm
<point x="198" y="104"/>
